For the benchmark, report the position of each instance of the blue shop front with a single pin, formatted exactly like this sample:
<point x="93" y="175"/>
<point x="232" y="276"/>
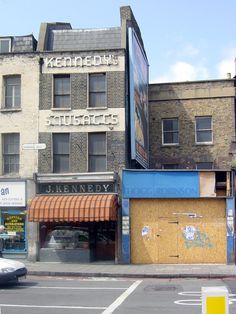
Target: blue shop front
<point x="13" y="217"/>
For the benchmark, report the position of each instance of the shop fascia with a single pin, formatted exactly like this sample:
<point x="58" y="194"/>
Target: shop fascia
<point x="78" y="61"/>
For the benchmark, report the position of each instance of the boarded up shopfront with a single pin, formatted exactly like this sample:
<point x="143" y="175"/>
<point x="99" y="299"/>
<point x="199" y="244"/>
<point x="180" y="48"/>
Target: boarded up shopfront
<point x="178" y="231"/>
<point x="178" y="217"/>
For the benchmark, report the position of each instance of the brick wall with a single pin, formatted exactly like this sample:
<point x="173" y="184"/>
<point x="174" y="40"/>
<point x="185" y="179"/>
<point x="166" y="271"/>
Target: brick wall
<point x="185" y="101"/>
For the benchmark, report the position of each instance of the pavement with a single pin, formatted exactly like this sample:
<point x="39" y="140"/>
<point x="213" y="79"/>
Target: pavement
<point x="130" y="270"/>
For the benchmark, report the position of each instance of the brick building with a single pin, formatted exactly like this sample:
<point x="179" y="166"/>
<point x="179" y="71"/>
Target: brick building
<point x="66" y="137"/>
<point x="192" y="124"/>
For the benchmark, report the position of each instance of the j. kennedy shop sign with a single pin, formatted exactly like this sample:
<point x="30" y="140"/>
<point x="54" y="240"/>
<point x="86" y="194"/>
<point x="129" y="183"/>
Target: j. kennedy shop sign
<point x="76" y="188"/>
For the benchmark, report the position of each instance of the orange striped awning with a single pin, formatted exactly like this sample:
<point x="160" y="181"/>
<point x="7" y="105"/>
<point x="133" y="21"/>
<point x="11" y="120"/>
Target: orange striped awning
<point x="76" y="208"/>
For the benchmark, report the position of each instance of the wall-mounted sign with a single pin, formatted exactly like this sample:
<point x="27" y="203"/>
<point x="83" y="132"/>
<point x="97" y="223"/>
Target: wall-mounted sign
<point x="85" y="119"/>
<point x="12" y="194"/>
<point x="138" y="72"/>
<point x="36" y="146"/>
<point x="76" y="188"/>
<point x="125" y="225"/>
<point x="86" y="61"/>
<point x="14" y="223"/>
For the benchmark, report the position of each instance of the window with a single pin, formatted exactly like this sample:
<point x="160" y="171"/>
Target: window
<point x="204" y="165"/>
<point x="61" y="91"/>
<point x="170" y="131"/>
<point x="170" y="166"/>
<point x="12" y="91"/>
<point x="5" y="45"/>
<point x="97" y="152"/>
<point x="11" y="149"/>
<point x="203" y="130"/>
<point x="97" y="90"/>
<point x="61" y="152"/>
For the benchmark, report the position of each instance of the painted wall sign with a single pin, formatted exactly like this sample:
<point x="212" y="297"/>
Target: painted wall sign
<point x="12" y="194"/>
<point x="75" y="188"/>
<point x="86" y="61"/>
<point x="88" y="119"/>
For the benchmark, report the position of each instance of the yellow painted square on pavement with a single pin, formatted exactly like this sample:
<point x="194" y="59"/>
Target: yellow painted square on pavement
<point x="215" y="305"/>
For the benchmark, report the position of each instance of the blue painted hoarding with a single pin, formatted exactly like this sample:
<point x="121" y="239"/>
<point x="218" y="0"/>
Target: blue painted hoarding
<point x="163" y="184"/>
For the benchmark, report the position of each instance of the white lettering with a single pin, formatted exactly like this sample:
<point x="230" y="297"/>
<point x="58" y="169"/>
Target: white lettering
<point x="49" y="62"/>
<point x="87" y="61"/>
<point x="59" y="62"/>
<point x="97" y="60"/>
<point x="88" y="119"/>
<point x="106" y="186"/>
<point x="78" y="61"/>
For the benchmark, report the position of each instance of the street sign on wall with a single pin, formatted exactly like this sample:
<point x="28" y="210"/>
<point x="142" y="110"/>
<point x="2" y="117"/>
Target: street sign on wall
<point x="33" y="146"/>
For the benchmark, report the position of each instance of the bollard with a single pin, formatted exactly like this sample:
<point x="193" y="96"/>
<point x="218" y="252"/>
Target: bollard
<point x="215" y="300"/>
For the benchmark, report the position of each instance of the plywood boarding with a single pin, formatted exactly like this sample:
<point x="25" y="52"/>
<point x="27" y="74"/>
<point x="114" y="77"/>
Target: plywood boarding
<point x="192" y="229"/>
<point x="207" y="184"/>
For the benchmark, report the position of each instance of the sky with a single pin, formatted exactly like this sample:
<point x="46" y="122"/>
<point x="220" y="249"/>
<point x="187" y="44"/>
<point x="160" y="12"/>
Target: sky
<point x="185" y="40"/>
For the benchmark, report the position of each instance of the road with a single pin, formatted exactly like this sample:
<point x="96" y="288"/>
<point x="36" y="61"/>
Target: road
<point x="54" y="295"/>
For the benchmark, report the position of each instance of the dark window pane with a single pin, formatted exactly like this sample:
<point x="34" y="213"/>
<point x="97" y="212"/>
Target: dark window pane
<point x="97" y="90"/>
<point x="203" y="123"/>
<point x="204" y="165"/>
<point x="61" y="152"/>
<point x="11" y="148"/>
<point x="170" y="125"/>
<point x="97" y="163"/>
<point x="12" y="91"/>
<point x="204" y="136"/>
<point x="5" y="45"/>
<point x="62" y="91"/>
<point x="97" y="152"/>
<point x="170" y="166"/>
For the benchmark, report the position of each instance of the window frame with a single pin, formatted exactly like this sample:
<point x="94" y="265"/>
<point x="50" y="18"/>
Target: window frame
<point x="104" y="154"/>
<point x="9" y="40"/>
<point x="5" y="154"/>
<point x="54" y="167"/>
<point x="62" y="94"/>
<point x="89" y="106"/>
<point x="173" y="131"/>
<point x="203" y="130"/>
<point x="204" y="162"/>
<point x="13" y="92"/>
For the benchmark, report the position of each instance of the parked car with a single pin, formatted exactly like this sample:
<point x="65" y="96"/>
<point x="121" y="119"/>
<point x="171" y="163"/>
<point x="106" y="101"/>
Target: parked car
<point x="11" y="270"/>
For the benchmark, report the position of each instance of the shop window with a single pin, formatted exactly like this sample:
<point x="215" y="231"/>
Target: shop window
<point x="12" y="91"/>
<point x="97" y="90"/>
<point x="61" y="91"/>
<point x="5" y="45"/>
<point x="66" y="237"/>
<point x="11" y="153"/>
<point x="170" y="131"/>
<point x="61" y="152"/>
<point x="14" y="223"/>
<point x="97" y="152"/>
<point x="203" y="130"/>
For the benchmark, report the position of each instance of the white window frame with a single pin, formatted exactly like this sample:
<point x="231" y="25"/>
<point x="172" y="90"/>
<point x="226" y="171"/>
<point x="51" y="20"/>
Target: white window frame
<point x="9" y="44"/>
<point x="162" y="127"/>
<point x="13" y="106"/>
<point x="210" y="130"/>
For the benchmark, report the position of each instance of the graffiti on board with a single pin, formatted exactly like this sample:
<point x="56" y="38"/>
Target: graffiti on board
<point x="195" y="238"/>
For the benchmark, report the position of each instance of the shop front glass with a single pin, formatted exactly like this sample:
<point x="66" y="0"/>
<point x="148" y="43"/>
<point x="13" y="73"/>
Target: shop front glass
<point x="14" y="223"/>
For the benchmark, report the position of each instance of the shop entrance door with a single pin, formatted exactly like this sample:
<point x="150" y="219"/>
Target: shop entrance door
<point x="167" y="241"/>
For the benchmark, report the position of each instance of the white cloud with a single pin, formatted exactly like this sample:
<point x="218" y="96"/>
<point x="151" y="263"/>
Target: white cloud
<point x="227" y="65"/>
<point x="183" y="71"/>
